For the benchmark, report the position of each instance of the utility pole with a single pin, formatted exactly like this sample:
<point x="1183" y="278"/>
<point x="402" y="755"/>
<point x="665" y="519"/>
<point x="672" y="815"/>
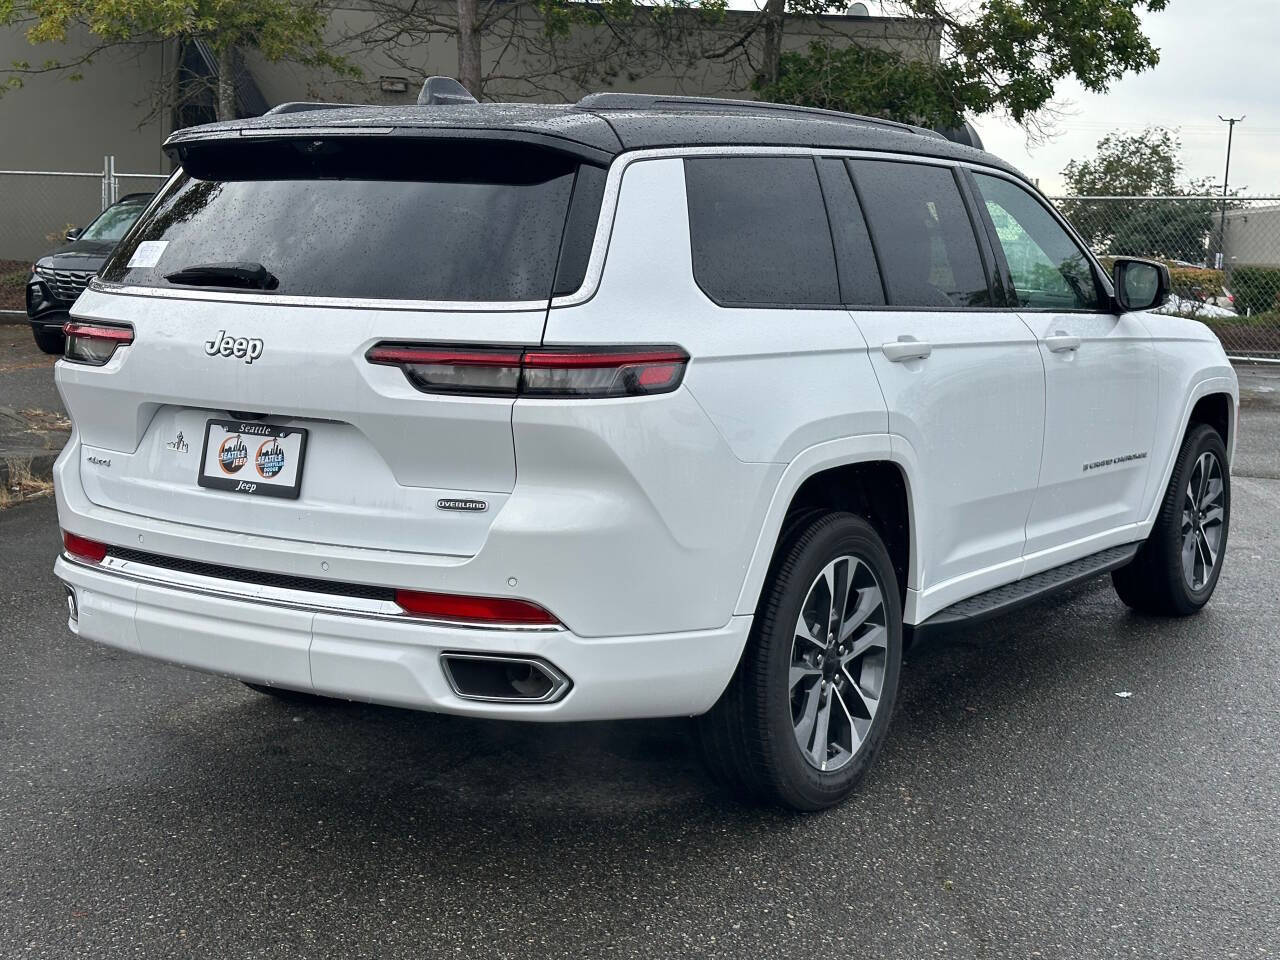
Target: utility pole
<point x="1226" y="176"/>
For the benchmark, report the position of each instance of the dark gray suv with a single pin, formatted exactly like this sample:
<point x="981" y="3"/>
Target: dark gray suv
<point x="58" y="277"/>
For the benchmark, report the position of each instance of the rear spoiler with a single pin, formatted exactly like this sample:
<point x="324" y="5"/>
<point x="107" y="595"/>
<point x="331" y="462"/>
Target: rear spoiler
<point x="190" y="146"/>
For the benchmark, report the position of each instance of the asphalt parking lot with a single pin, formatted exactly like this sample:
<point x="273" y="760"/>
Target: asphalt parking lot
<point x="1022" y="808"/>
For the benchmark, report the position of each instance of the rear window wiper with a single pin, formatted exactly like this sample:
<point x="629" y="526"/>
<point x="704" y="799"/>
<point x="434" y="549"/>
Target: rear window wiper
<point x="241" y="274"/>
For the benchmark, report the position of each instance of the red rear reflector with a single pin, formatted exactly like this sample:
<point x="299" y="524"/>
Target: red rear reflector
<point x="546" y="372"/>
<point x="83" y="548"/>
<point x="447" y="606"/>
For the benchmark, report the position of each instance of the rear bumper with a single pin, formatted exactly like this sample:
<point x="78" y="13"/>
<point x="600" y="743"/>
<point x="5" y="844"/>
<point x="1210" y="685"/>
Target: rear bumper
<point x="394" y="660"/>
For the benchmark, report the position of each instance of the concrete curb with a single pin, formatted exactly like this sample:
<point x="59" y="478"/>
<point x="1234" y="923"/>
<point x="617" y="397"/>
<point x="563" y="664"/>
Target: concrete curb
<point x="14" y="317"/>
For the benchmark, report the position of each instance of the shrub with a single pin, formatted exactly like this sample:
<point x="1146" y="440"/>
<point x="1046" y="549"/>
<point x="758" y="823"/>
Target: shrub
<point x="1256" y="289"/>
<point x="1196" y="283"/>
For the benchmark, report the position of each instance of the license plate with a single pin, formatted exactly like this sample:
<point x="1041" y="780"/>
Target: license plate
<point x="260" y="459"/>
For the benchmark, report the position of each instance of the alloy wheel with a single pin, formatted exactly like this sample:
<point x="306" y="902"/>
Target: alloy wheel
<point x="1203" y="513"/>
<point x="838" y="663"/>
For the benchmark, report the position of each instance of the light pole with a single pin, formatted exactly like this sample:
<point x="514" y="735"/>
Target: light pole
<point x="1226" y="176"/>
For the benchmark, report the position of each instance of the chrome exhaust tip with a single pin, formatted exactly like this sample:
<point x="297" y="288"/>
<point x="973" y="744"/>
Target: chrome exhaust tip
<point x="73" y="608"/>
<point x="503" y="678"/>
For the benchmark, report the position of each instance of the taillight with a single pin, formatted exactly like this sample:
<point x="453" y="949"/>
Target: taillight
<point x="541" y="372"/>
<point x="94" y="343"/>
<point x="476" y="371"/>
<point x="456" y="607"/>
<point x="82" y="548"/>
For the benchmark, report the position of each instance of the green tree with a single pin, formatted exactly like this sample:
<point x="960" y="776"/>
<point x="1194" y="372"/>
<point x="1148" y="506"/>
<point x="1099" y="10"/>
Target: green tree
<point x="1145" y="164"/>
<point x="277" y="29"/>
<point x="994" y="55"/>
<point x="547" y="49"/>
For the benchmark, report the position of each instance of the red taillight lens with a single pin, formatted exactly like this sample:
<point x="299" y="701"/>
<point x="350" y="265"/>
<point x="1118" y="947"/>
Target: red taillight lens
<point x="475" y="371"/>
<point x="563" y="373"/>
<point x="603" y="373"/>
<point x="94" y="343"/>
<point x="496" y="610"/>
<point x="83" y="548"/>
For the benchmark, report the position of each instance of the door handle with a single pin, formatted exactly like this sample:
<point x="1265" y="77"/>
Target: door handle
<point x="1062" y="342"/>
<point x="906" y="348"/>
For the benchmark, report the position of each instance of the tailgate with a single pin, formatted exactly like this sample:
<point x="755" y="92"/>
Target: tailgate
<point x="380" y="455"/>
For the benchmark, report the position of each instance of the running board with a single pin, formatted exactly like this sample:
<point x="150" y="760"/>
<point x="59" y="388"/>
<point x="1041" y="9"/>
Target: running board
<point x="1013" y="595"/>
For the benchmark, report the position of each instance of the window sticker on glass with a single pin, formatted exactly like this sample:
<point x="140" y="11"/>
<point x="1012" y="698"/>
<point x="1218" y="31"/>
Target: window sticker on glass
<point x="148" y="253"/>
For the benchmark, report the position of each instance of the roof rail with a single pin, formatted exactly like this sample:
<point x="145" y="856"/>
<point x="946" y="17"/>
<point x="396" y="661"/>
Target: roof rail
<point x="302" y="106"/>
<point x="658" y="101"/>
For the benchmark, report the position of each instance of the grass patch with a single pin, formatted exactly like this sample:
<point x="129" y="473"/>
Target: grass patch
<point x="1269" y="319"/>
<point x="13" y="283"/>
<point x="22" y="484"/>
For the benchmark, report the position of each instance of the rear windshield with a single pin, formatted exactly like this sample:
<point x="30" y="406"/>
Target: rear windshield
<point x="417" y="221"/>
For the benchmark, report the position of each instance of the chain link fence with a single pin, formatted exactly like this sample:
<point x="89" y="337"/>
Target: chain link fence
<point x="38" y="207"/>
<point x="1223" y="256"/>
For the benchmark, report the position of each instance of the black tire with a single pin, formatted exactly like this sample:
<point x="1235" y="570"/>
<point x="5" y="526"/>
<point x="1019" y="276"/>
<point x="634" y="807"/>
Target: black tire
<point x="748" y="739"/>
<point x="49" y="341"/>
<point x="286" y="695"/>
<point x="1155" y="583"/>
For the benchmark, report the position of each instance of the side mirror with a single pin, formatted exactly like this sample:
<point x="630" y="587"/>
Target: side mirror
<point x="1140" y="284"/>
<point x="74" y="233"/>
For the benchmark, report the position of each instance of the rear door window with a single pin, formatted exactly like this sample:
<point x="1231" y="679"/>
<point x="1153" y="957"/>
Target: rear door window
<point x="759" y="232"/>
<point x="405" y="221"/>
<point x="924" y="239"/>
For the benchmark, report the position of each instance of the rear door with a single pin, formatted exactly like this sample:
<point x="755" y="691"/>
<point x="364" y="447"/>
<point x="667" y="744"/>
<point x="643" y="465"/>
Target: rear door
<point x="963" y="380"/>
<point x="362" y="243"/>
<point x="1100" y="377"/>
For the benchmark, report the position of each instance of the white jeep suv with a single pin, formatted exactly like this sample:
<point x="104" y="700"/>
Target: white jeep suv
<point x="638" y="407"/>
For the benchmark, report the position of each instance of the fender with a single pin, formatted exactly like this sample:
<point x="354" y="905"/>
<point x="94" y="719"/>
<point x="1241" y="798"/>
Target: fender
<point x="1202" y="388"/>
<point x="846" y="451"/>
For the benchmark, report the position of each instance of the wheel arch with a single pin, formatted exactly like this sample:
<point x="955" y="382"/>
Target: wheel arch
<point x="1213" y="400"/>
<point x="1218" y="410"/>
<point x="861" y="474"/>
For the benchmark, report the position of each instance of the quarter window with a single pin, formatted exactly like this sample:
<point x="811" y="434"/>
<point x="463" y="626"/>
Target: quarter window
<point x="759" y="232"/>
<point x="922" y="233"/>
<point x="1049" y="271"/>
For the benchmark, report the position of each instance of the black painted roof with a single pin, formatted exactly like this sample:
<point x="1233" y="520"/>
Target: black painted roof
<point x="607" y="130"/>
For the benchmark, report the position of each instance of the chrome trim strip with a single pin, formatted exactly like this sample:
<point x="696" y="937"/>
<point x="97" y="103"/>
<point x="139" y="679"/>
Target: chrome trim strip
<point x="560" y="683"/>
<point x="599" y="245"/>
<point x="355" y="303"/>
<point x="613" y="186"/>
<point x="304" y="600"/>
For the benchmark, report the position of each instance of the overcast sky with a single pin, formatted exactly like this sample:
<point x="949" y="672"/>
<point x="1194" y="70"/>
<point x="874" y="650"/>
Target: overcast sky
<point x="1216" y="57"/>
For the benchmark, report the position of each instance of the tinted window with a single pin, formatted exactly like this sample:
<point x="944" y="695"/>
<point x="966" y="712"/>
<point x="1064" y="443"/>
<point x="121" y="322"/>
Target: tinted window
<point x="922" y="233"/>
<point x="860" y="284"/>
<point x="1049" y="271"/>
<point x="759" y="231"/>
<point x="580" y="229"/>
<point x="414" y="222"/>
<point x="115" y="221"/>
